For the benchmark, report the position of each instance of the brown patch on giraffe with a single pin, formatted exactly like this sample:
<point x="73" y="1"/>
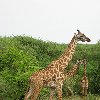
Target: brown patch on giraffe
<point x="55" y="71"/>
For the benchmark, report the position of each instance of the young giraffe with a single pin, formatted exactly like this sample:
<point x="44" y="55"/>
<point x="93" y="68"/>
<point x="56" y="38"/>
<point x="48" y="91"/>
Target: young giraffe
<point x="74" y="69"/>
<point x="84" y="81"/>
<point x="53" y="73"/>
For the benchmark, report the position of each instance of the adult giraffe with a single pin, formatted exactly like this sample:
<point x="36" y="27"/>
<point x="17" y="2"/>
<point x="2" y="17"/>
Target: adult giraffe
<point x="51" y="76"/>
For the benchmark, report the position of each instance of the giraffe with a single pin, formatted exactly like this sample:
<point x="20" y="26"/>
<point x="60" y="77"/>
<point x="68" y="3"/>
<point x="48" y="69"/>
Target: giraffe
<point x="84" y="81"/>
<point x="51" y="75"/>
<point x="74" y="69"/>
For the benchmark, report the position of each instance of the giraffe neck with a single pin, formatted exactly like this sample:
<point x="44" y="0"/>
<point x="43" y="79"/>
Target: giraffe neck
<point x="85" y="72"/>
<point x="65" y="58"/>
<point x="84" y="64"/>
<point x="73" y="71"/>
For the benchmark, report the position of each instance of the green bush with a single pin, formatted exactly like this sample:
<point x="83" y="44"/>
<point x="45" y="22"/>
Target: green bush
<point x="20" y="56"/>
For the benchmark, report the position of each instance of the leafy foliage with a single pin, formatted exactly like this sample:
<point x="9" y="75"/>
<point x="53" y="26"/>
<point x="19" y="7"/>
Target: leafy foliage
<point x="20" y="56"/>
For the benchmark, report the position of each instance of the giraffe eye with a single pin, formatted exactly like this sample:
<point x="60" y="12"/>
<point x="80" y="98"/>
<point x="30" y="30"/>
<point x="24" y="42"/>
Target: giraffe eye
<point x="81" y="36"/>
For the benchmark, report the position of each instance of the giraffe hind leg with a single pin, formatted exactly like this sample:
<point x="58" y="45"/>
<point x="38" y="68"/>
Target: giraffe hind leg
<point x="29" y="93"/>
<point x="36" y="91"/>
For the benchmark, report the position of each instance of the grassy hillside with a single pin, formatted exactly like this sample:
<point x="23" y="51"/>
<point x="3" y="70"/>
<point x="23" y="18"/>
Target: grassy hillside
<point x="20" y="56"/>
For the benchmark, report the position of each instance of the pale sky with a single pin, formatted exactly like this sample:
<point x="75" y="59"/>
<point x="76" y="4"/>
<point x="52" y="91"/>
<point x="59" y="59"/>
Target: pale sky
<point x="53" y="20"/>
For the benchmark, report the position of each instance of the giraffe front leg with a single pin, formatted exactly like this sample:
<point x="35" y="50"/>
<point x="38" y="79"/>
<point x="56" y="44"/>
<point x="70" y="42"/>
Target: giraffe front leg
<point x="59" y="91"/>
<point x="36" y="91"/>
<point x="83" y="91"/>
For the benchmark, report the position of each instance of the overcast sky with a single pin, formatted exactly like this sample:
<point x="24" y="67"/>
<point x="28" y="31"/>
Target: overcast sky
<point x="53" y="20"/>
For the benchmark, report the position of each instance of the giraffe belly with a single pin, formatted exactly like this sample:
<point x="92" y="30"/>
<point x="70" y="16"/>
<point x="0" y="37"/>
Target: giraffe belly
<point x="51" y="84"/>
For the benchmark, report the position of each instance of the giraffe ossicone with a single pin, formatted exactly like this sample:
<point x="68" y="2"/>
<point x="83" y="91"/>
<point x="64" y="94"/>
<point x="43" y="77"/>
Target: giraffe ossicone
<point x="53" y="75"/>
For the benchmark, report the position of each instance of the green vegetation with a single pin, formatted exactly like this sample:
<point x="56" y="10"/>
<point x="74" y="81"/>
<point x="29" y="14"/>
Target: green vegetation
<point x="20" y="56"/>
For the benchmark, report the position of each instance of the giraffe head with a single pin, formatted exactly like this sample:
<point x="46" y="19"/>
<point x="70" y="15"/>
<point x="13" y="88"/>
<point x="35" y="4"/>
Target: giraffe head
<point x="81" y="37"/>
<point x="80" y="61"/>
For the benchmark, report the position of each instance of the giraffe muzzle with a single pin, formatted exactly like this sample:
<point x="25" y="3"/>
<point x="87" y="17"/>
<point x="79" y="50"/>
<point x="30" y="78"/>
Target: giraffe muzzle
<point x="88" y="40"/>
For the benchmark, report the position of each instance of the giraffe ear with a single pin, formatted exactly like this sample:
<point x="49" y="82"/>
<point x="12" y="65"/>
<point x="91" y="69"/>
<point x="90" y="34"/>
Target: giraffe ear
<point x="75" y="34"/>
